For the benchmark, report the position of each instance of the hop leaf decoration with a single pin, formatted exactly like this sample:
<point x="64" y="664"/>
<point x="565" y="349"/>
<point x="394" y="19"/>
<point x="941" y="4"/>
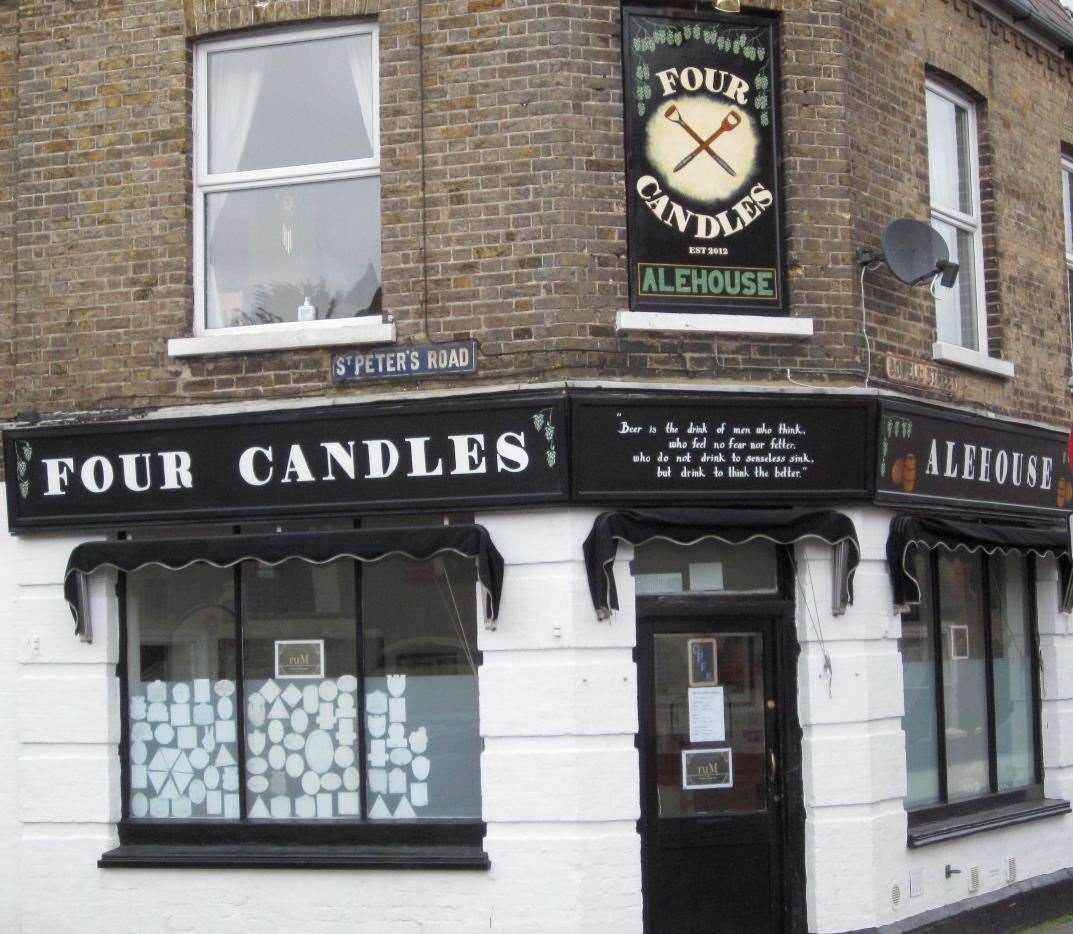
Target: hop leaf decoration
<point x="538" y="421"/>
<point x="22" y="469"/>
<point x="549" y="432"/>
<point x="764" y="119"/>
<point x="24" y="488"/>
<point x="550" y="457"/>
<point x="27" y="450"/>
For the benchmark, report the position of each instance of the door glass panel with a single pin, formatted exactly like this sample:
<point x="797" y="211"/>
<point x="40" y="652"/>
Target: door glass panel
<point x="710" y="755"/>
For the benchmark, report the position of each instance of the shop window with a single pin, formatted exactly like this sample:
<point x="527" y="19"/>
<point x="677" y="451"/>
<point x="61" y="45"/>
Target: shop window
<point x="287" y="179"/>
<point x="970" y="678"/>
<point x="954" y="183"/>
<point x="342" y="693"/>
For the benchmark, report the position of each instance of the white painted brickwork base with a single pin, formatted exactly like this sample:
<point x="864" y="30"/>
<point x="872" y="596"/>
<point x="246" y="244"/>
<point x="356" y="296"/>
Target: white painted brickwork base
<point x="854" y="755"/>
<point x="559" y="772"/>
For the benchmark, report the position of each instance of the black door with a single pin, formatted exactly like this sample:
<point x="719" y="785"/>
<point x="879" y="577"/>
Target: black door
<point x="712" y="813"/>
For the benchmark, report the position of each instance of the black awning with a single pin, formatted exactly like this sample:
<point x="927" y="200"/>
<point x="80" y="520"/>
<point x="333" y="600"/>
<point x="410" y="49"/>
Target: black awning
<point x="909" y="532"/>
<point x="732" y="526"/>
<point x="469" y="541"/>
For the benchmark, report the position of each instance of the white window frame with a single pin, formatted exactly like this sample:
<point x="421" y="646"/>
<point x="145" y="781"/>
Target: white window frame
<point x="281" y="335"/>
<point x="973" y="224"/>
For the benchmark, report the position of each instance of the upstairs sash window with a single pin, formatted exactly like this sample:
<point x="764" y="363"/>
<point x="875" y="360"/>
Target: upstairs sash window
<point x="287" y="178"/>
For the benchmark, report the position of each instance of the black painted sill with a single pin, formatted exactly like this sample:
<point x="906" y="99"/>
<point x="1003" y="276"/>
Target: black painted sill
<point x="264" y="856"/>
<point x="939" y="829"/>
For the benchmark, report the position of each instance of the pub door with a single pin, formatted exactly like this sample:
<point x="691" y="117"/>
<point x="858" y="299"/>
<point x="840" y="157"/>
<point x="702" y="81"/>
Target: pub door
<point x="712" y="809"/>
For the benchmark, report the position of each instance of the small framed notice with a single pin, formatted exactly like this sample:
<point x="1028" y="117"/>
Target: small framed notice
<point x="959" y="643"/>
<point x="299" y="658"/>
<point x="703" y="659"/>
<point x="707" y="768"/>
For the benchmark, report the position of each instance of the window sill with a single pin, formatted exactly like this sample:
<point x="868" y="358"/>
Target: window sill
<point x="758" y="325"/>
<point x="937" y="829"/>
<point x="265" y="856"/>
<point x="943" y="352"/>
<point x="289" y="335"/>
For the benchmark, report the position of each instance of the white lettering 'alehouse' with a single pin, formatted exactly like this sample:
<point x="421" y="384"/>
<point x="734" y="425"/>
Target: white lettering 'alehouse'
<point x="957" y="460"/>
<point x="257" y="465"/>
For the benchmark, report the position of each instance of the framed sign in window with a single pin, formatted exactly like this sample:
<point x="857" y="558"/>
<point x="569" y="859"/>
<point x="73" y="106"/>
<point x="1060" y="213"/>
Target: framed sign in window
<point x="701" y="98"/>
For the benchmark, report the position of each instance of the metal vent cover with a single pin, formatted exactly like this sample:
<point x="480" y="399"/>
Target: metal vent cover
<point x="895" y="895"/>
<point x="974" y="878"/>
<point x="1011" y="869"/>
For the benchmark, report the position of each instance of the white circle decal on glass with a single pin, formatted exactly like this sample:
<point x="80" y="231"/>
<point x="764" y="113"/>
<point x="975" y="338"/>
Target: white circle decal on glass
<point x="295" y="765"/>
<point x="319" y="751"/>
<point x="277" y="758"/>
<point x="196" y="791"/>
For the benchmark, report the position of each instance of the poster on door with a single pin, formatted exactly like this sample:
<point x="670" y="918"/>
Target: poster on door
<point x="701" y="98"/>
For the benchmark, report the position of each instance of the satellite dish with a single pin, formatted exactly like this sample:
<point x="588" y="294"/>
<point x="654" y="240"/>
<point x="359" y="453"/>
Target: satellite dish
<point x="916" y="252"/>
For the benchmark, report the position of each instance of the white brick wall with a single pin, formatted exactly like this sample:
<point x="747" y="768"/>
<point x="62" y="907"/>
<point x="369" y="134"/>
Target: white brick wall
<point x="559" y="774"/>
<point x="854" y="756"/>
<point x="559" y="771"/>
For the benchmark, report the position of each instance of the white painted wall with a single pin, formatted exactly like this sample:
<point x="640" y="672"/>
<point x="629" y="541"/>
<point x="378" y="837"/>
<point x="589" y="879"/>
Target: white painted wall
<point x="854" y="754"/>
<point x="559" y="771"/>
<point x="559" y="774"/>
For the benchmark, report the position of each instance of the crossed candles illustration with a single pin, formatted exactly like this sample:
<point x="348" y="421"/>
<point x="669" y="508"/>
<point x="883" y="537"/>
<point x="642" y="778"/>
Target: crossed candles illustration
<point x="730" y="121"/>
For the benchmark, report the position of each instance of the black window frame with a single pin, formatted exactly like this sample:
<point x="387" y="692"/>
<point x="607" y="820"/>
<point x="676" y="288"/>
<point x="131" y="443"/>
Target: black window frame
<point x="944" y="820"/>
<point x="353" y="842"/>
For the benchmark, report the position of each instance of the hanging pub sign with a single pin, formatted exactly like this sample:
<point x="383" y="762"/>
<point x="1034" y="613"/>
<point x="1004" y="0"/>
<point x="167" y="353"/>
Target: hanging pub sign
<point x="701" y="97"/>
<point x="445" y="453"/>
<point x="942" y="458"/>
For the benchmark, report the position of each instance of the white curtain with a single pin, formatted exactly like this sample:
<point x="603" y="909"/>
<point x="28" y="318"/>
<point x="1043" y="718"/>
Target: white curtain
<point x="360" y="59"/>
<point x="234" y="89"/>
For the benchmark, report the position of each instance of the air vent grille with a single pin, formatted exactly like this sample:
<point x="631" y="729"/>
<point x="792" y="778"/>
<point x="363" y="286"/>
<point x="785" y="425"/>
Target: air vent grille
<point x="974" y="878"/>
<point x="1011" y="869"/>
<point x="895" y="895"/>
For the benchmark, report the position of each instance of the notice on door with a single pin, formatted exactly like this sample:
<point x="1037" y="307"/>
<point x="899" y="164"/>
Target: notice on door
<point x="707" y="723"/>
<point x="707" y="768"/>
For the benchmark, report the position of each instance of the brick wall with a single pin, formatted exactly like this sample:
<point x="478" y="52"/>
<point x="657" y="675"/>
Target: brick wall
<point x="1027" y="116"/>
<point x="8" y="53"/>
<point x="515" y="198"/>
